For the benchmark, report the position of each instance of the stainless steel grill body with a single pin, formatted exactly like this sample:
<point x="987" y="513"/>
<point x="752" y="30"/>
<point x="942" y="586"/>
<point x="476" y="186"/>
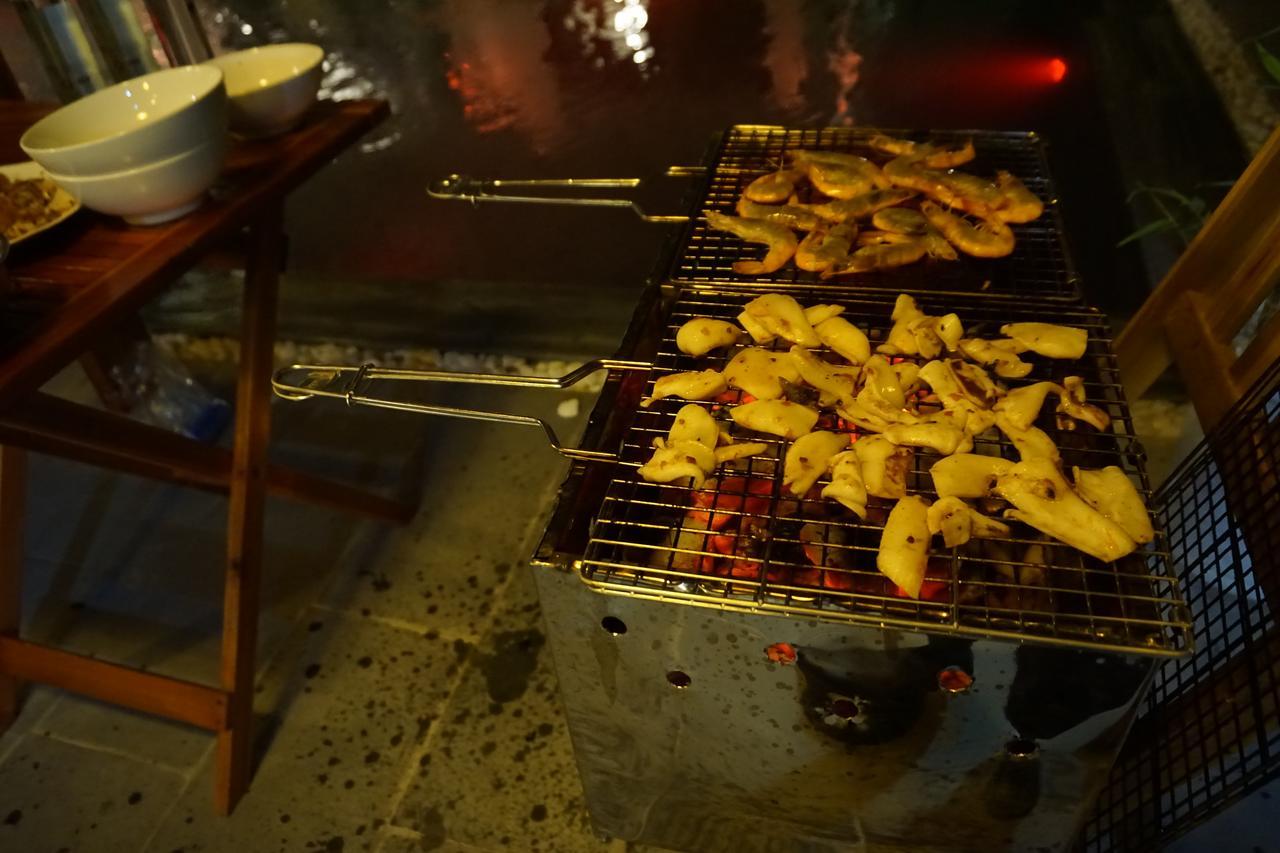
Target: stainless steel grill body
<point x="853" y="747"/>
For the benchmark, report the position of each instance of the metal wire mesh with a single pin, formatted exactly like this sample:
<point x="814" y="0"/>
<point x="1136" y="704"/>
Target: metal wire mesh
<point x="740" y="543"/>
<point x="1210" y="730"/>
<point x="1039" y="266"/>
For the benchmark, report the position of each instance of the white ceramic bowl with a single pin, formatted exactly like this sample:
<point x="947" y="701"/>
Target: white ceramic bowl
<point x="270" y="88"/>
<point x="149" y="195"/>
<point x="145" y="120"/>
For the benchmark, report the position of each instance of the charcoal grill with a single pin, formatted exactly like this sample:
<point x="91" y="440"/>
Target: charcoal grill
<point x="771" y="709"/>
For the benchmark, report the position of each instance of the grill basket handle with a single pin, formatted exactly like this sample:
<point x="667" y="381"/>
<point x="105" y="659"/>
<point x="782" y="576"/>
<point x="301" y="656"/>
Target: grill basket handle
<point x="352" y="384"/>
<point x="475" y="190"/>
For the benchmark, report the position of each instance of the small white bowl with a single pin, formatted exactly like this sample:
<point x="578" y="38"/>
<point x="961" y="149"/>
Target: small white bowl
<point x="145" y="120"/>
<point x="271" y="87"/>
<point x="152" y="194"/>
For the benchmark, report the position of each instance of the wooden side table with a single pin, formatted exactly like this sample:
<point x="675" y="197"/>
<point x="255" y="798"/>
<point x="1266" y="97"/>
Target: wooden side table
<point x="74" y="285"/>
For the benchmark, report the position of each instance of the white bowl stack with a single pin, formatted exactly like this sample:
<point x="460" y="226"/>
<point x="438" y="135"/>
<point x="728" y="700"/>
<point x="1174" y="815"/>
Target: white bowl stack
<point x="148" y="149"/>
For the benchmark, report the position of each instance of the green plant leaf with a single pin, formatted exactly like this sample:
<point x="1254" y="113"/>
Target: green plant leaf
<point x="1157" y="227"/>
<point x="1269" y="61"/>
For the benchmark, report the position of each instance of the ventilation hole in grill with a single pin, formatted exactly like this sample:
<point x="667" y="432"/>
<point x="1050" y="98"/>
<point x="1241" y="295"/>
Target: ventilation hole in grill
<point x="614" y="625"/>
<point x="1022" y="747"/>
<point x="679" y="680"/>
<point x="953" y="679"/>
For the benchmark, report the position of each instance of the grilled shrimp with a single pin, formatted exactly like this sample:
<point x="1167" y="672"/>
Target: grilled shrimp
<point x="1018" y="204"/>
<point x="849" y="161"/>
<point x="840" y="175"/>
<point x="910" y="222"/>
<point x="779" y="239"/>
<point x="928" y="153"/>
<point x="906" y="172"/>
<point x="824" y="247"/>
<point x="773" y="188"/>
<point x="880" y="257"/>
<point x="842" y="210"/>
<point x="791" y="216"/>
<point x="990" y="238"/>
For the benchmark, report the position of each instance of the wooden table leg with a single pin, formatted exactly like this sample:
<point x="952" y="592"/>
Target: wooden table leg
<point x="13" y="498"/>
<point x="244" y="514"/>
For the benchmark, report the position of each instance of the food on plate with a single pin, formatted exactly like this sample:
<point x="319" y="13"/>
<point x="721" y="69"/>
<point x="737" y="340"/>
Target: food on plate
<point x="807" y="459"/>
<point x="1110" y="491"/>
<point x="1001" y="355"/>
<point x="773" y="188"/>
<point x="1072" y="404"/>
<point x="958" y="523"/>
<point x="27" y="205"/>
<point x="701" y="335"/>
<point x="968" y="475"/>
<point x="695" y="385"/>
<point x="845" y="339"/>
<point x="846" y="484"/>
<point x="904" y="544"/>
<point x="775" y="417"/>
<point x="781" y="316"/>
<point x="761" y="372"/>
<point x="778" y="240"/>
<point x="1043" y="499"/>
<point x="884" y="466"/>
<point x="825" y="246"/>
<point x="1048" y="339"/>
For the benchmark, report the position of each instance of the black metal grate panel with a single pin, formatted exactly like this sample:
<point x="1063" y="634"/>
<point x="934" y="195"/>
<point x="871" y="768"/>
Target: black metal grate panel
<point x="1210" y="731"/>
<point x="763" y="553"/>
<point x="1039" y="267"/>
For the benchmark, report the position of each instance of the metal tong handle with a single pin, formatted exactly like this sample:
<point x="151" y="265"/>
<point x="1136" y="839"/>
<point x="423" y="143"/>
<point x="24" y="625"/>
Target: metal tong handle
<point x="304" y="381"/>
<point x="475" y="190"/>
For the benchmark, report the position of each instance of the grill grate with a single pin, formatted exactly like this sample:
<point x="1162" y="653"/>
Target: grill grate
<point x="643" y="544"/>
<point x="1210" y="731"/>
<point x="1039" y="266"/>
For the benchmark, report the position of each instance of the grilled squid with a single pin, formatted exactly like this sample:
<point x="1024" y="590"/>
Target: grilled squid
<point x="945" y="438"/>
<point x="1031" y="442"/>
<point x="1000" y="355"/>
<point x="967" y="475"/>
<point x="1110" y="491"/>
<point x="846" y="484"/>
<point x="679" y="460"/>
<point x="775" y="417"/>
<point x="1043" y="499"/>
<point x="694" y="423"/>
<point x="807" y="459"/>
<point x="782" y="317"/>
<point x="816" y="314"/>
<point x="884" y="466"/>
<point x="904" y="544"/>
<point x="732" y="452"/>
<point x="761" y="372"/>
<point x="1021" y="406"/>
<point x="1072" y="404"/>
<point x="835" y="385"/>
<point x="916" y="333"/>
<point x="844" y="339"/>
<point x="701" y="335"/>
<point x="700" y="385"/>
<point x="1048" y="339"/>
<point x="958" y="523"/>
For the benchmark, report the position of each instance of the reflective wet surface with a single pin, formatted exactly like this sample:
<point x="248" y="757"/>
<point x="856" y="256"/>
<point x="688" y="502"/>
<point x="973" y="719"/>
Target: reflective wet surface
<point x="593" y="88"/>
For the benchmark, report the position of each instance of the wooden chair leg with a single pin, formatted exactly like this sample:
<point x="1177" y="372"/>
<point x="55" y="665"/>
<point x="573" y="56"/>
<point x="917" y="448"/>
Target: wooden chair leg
<point x="244" y="514"/>
<point x="13" y="497"/>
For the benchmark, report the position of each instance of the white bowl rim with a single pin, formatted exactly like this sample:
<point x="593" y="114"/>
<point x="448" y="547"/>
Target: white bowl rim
<point x="229" y="58"/>
<point x="32" y="150"/>
<point x="132" y="171"/>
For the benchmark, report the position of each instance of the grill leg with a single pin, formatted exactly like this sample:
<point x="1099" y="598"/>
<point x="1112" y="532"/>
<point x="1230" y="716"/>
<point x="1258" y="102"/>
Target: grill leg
<point x="244" y="514"/>
<point x="13" y="494"/>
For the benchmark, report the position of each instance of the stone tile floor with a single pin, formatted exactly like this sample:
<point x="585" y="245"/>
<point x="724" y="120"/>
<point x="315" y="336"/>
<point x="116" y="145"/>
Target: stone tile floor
<point x="405" y="700"/>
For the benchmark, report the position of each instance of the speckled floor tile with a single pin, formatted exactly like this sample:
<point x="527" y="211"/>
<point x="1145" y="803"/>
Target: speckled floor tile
<point x="339" y="716"/>
<point x="500" y="773"/>
<point x="36" y="700"/>
<point x="170" y="744"/>
<point x="55" y="796"/>
<point x="439" y="572"/>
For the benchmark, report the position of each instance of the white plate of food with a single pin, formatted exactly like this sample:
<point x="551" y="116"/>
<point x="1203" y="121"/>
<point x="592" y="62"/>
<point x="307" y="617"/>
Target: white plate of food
<point x="30" y="202"/>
